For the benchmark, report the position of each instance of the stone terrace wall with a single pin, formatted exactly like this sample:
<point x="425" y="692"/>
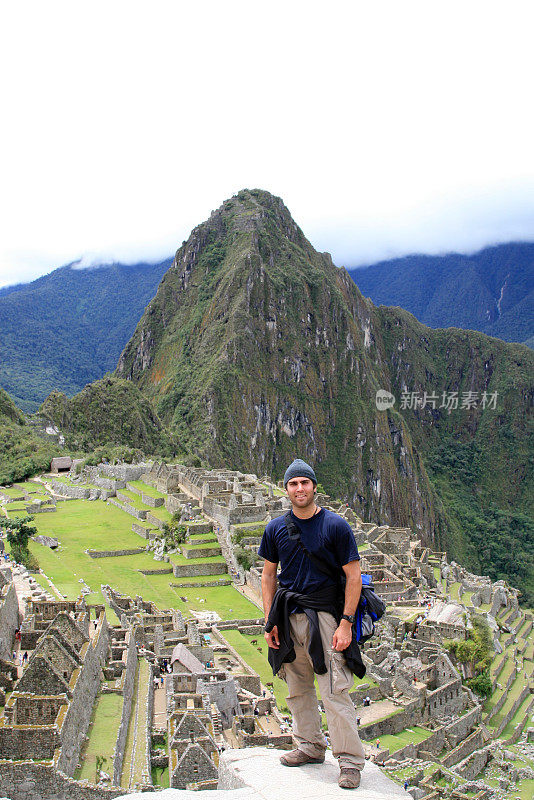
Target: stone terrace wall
<point x="149" y="718"/>
<point x="79" y="712"/>
<point x="473" y="764"/>
<point x="9" y="619"/>
<point x="76" y="492"/>
<point x="473" y="742"/>
<point x="123" y="472"/>
<point x="138" y="513"/>
<point x="458" y="730"/>
<point x="128" y="690"/>
<point x="107" y="553"/>
<point x="396" y="723"/>
<point x="27" y="780"/>
<point x="24" y="741"/>
<point x="188" y="570"/>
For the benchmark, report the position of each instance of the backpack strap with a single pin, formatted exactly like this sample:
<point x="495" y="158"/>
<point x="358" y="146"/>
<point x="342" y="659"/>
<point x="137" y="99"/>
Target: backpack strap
<point x="294" y="535"/>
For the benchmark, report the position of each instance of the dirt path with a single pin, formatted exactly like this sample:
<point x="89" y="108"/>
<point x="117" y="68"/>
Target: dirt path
<point x="160" y="709"/>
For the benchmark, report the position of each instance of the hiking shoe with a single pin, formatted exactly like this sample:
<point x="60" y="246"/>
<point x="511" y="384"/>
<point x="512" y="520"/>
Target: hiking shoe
<point x="349" y="778"/>
<point x="296" y="758"/>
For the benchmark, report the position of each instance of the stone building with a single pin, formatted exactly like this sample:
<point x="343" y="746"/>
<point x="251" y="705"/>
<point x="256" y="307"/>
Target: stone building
<point x="48" y="713"/>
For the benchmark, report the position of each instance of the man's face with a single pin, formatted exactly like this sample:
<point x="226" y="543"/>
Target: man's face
<point x="300" y="491"/>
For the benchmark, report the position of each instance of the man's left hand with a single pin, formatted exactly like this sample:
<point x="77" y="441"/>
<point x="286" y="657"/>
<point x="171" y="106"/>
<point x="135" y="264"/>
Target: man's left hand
<point x="342" y="636"/>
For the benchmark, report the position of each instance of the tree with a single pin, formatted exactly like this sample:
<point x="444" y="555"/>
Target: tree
<point x="19" y="531"/>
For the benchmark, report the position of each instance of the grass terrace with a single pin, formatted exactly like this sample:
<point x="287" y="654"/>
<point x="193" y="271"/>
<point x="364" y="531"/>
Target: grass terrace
<point x="80" y="524"/>
<point x="31" y="486"/>
<point x="103" y="730"/>
<point x="135" y="750"/>
<point x="198" y="538"/>
<point x="146" y="489"/>
<point x="12" y="491"/>
<point x="408" y="736"/>
<point x="133" y="499"/>
<point x="178" y="558"/>
<point x="160" y="513"/>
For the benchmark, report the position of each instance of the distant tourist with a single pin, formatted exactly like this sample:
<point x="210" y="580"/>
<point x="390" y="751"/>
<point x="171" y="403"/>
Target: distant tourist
<point x="326" y="626"/>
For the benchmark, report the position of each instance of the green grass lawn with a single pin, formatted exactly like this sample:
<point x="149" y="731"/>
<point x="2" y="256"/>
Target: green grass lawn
<point x="133" y="499"/>
<point x="454" y="592"/>
<point x="393" y="742"/>
<point x="201" y="546"/>
<point x="197" y="579"/>
<point x="178" y="558"/>
<point x="160" y="513"/>
<point x="518" y="717"/>
<point x="31" y="486"/>
<point x="512" y="695"/>
<point x="132" y="765"/>
<point x="103" y="732"/>
<point x="160" y="777"/>
<point x="146" y="489"/>
<point x="198" y="538"/>
<point x="12" y="491"/>
<point x="79" y="524"/>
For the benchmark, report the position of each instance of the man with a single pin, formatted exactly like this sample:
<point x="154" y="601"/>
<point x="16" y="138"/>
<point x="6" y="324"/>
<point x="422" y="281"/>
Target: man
<point x="309" y="627"/>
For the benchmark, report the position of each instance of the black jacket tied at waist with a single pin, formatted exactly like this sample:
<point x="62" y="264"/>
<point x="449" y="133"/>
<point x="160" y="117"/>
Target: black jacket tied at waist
<point x="326" y="599"/>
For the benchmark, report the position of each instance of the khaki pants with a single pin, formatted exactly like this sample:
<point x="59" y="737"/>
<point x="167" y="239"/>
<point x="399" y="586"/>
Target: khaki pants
<point x="334" y="688"/>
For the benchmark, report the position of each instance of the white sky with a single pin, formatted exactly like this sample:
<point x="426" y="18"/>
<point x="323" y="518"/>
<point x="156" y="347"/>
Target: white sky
<point x="386" y="127"/>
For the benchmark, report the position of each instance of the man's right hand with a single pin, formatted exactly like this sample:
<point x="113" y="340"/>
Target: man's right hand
<point x="272" y="638"/>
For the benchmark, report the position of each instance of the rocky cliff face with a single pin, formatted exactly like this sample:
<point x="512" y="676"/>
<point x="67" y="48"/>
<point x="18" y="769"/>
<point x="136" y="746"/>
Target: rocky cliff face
<point x="257" y="349"/>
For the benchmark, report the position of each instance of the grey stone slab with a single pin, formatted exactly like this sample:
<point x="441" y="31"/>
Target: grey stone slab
<point x="255" y="773"/>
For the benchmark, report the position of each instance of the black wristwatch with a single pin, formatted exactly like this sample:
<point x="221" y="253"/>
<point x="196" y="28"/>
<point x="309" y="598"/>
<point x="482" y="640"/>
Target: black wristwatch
<point x="348" y="617"/>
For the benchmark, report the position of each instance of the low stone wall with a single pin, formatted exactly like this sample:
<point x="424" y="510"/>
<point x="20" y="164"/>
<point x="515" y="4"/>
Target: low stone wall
<point x="138" y="513"/>
<point x="520" y="727"/>
<point x="457" y="731"/>
<point x="250" y="683"/>
<point x="79" y="712"/>
<point x="124" y="502"/>
<point x="9" y="619"/>
<point x="66" y="490"/>
<point x="191" y="585"/>
<point x="202" y="552"/>
<point x="258" y="739"/>
<point x="227" y="516"/>
<point x="190" y="570"/>
<point x="28" y="741"/>
<point x="509" y="715"/>
<point x="156" y="571"/>
<point x="198" y="527"/>
<point x="153" y="502"/>
<point x="140" y="530"/>
<point x="123" y="472"/>
<point x="28" y="780"/>
<point x="473" y="764"/>
<point x="473" y="742"/>
<point x="110" y="553"/>
<point x="128" y="690"/>
<point x="155" y="521"/>
<point x="396" y="723"/>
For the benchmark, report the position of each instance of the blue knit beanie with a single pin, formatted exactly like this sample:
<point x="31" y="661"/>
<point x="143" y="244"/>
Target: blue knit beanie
<point x="299" y="469"/>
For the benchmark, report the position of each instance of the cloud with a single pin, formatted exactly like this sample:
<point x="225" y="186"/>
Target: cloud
<point x="384" y="126"/>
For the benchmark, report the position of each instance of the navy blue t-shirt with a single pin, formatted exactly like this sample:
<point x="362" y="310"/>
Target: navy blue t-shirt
<point x="327" y="535"/>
